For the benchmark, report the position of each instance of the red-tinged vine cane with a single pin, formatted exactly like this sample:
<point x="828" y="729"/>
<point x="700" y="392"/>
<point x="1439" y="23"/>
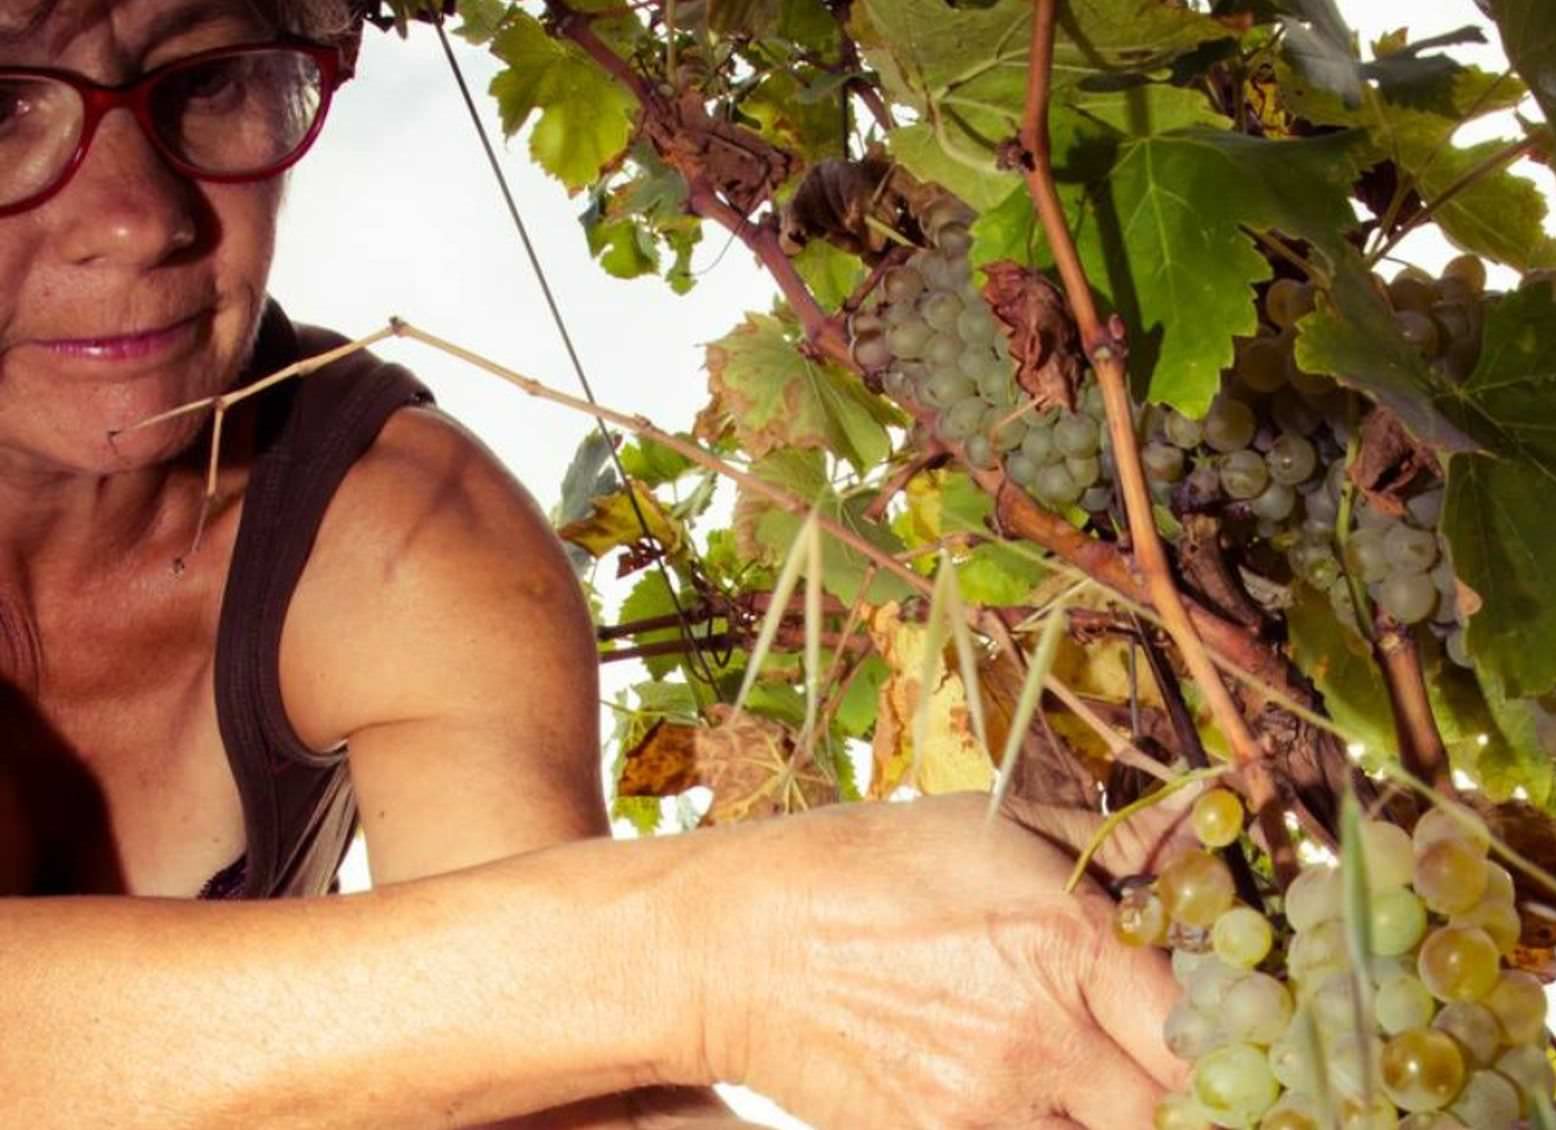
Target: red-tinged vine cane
<point x="1107" y="348"/>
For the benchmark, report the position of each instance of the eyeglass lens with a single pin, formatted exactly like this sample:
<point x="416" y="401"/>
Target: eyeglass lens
<point x="228" y="116"/>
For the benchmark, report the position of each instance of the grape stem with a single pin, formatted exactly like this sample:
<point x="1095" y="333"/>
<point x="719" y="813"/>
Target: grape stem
<point x="1107" y="349"/>
<point x="1421" y="748"/>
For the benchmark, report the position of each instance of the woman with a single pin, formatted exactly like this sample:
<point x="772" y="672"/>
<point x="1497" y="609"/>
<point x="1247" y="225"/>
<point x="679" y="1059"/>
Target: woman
<point x="343" y="644"/>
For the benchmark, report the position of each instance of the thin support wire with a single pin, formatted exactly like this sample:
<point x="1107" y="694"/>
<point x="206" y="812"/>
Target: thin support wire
<point x="572" y="353"/>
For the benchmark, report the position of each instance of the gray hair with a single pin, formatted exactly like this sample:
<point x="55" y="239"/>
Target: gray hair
<point x="322" y="20"/>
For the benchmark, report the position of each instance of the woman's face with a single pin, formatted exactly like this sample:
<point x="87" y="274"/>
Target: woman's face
<point x="134" y="289"/>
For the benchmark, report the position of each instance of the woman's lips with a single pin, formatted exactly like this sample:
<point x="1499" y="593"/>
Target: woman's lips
<point x="126" y="347"/>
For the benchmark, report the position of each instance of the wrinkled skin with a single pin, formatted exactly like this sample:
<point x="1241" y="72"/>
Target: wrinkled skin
<point x="925" y="969"/>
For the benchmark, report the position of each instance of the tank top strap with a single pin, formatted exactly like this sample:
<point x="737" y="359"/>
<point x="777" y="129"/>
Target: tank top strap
<point x="298" y="809"/>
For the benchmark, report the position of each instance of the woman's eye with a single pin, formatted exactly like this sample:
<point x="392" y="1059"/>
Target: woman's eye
<point x="211" y="84"/>
<point x="12" y="106"/>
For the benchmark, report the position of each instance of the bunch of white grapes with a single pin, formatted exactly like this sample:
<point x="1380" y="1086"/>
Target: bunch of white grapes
<point x="1271" y="454"/>
<point x="1443" y="1037"/>
<point x="936" y="343"/>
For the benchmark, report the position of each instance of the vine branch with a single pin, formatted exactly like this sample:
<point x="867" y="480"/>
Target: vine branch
<point x="1107" y="349"/>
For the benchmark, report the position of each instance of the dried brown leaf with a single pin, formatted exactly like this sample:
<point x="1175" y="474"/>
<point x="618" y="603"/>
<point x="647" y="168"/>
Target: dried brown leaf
<point x="1043" y="341"/>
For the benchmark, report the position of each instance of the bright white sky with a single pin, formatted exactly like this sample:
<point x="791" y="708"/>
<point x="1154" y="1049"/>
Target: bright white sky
<point x="395" y="212"/>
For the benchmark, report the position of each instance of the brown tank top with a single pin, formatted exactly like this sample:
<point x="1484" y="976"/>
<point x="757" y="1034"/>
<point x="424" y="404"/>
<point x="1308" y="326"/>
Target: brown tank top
<point x="299" y="813"/>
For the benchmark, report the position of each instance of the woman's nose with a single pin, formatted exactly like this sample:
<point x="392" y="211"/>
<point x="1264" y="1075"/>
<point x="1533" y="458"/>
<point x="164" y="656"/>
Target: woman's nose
<point x="124" y="206"/>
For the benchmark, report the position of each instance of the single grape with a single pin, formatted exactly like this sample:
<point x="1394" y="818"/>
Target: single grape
<point x="1084" y="469"/>
<point x="1467" y="269"/>
<point x="1261" y="362"/>
<point x="1408" y="549"/>
<point x="1529" y="1069"/>
<point x="941" y="309"/>
<point x="1091" y="400"/>
<point x="1242" y="937"/>
<point x="1021" y="469"/>
<point x="1450" y="289"/>
<point x="1419" y="331"/>
<point x="1364" y="555"/>
<point x="1412" y="292"/>
<point x="1288" y="301"/>
<point x="1313" y="950"/>
<point x="947" y="386"/>
<point x="872" y="350"/>
<point x="1398" y="921"/>
<point x="980" y="452"/>
<point x="954" y="239"/>
<point x="1402" y="1002"/>
<point x="1314" y="896"/>
<point x="1450" y="875"/>
<point x="1077" y="434"/>
<point x="902" y="285"/>
<point x="1244" y="474"/>
<point x="1097" y="499"/>
<point x="1005" y="431"/>
<point x="908" y="339"/>
<point x="1333" y="1003"/>
<point x="1234" y="1084"/>
<point x="945" y="210"/>
<point x="1285" y="1115"/>
<point x="1488" y="1101"/>
<point x="1458" y="963"/>
<point x="961" y="420"/>
<point x="1162" y="462"/>
<point x="1196" y="887"/>
<point x="1499" y="919"/>
<point x="1182" y="431"/>
<point x="1321" y="508"/>
<point x="1517" y="1002"/>
<point x="1458" y="648"/>
<point x="1038" y="445"/>
<point x="1055" y="487"/>
<point x="1474" y="1027"/>
<point x="1255" y="1009"/>
<point x="1450" y="821"/>
<point x="866" y="321"/>
<point x="1422" y="1069"/>
<point x="995" y="384"/>
<point x="1426" y="507"/>
<point x="1230" y="425"/>
<point x="1390" y="854"/>
<point x="1274" y="504"/>
<point x="1217" y="818"/>
<point x="1190" y="1033"/>
<point x="1346" y="1059"/>
<point x="1179" y="1112"/>
<point x="975" y="325"/>
<point x="975" y="361"/>
<point x="1408" y="597"/>
<point x="1139" y="919"/>
<point x="1291" y="459"/>
<point x="944" y="351"/>
<point x="1431" y="1120"/>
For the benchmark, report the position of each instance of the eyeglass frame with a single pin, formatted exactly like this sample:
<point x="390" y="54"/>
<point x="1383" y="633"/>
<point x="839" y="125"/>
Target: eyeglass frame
<point x="98" y="100"/>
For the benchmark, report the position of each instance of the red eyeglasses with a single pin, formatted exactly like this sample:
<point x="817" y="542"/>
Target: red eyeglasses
<point x="230" y="115"/>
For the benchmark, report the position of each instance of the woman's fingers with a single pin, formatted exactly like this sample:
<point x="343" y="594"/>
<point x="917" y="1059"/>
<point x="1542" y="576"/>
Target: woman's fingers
<point x="1129" y="991"/>
<point x="1143" y="843"/>
<point x="1106" y="1089"/>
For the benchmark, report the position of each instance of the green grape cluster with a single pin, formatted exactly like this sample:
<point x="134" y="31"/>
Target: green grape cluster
<point x="1271" y="454"/>
<point x="935" y="342"/>
<point x="1453" y="1039"/>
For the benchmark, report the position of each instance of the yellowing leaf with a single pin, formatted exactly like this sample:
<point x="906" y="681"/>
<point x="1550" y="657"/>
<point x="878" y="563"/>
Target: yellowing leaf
<point x="952" y="759"/>
<point x="776" y="397"/>
<point x="612" y="523"/>
<point x="743" y="758"/>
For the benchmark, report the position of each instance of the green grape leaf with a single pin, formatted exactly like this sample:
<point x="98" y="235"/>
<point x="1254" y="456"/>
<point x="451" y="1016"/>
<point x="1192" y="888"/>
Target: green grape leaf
<point x="652" y="463"/>
<point x="1521" y="751"/>
<point x="481" y="20"/>
<point x="1162" y="236"/>
<point x="809" y="127"/>
<point x="584" y="116"/>
<point x="998" y="575"/>
<point x="776" y="397"/>
<point x="971" y="175"/>
<point x="1497" y="514"/>
<point x="765" y="532"/>
<point x="1352" y="337"/>
<point x="650" y="599"/>
<point x="588" y="476"/>
<point x="829" y="271"/>
<point x="1529" y="38"/>
<point x="624" y="248"/>
<point x="1499" y="214"/>
<point x="1341" y="667"/>
<point x="810" y="25"/>
<point x="642" y="812"/>
<point x="855" y="716"/>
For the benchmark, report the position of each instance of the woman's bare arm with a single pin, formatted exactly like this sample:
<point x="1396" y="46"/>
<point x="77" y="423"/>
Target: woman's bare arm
<point x="467" y="997"/>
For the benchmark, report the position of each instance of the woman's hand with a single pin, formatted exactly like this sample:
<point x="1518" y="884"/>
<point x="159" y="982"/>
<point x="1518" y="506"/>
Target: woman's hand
<point x="915" y="966"/>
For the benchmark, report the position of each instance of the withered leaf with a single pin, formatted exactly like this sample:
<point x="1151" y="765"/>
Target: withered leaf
<point x="1032" y="313"/>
